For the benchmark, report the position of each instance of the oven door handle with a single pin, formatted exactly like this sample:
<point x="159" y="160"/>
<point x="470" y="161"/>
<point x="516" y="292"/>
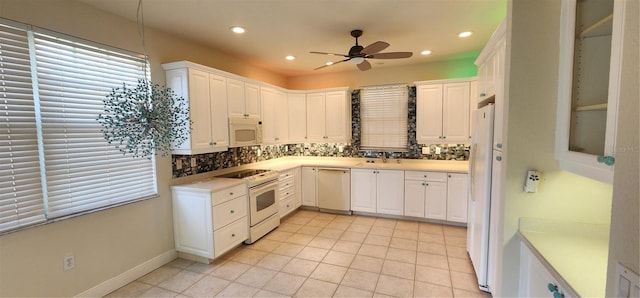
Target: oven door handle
<point x="264" y="186"/>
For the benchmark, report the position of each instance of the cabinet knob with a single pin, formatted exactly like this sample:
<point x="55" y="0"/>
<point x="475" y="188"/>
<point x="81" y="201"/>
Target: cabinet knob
<point x="426" y="184"/>
<point x="232" y="211"/>
<point x="444" y="137"/>
<point x="425" y="176"/>
<point x="449" y="175"/>
<point x="499" y="158"/>
<point x="607" y="160"/>
<point x="499" y="145"/>
<point x="233" y="235"/>
<point x="423" y="184"/>
<point x="231" y="193"/>
<point x="287" y="205"/>
<point x="210" y="143"/>
<point x="483" y="94"/>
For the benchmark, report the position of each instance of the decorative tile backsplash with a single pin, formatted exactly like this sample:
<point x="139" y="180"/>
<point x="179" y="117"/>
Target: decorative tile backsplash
<point x="208" y="162"/>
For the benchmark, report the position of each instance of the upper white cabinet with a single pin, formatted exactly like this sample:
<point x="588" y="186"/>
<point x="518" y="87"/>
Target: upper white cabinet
<point x="442" y="111"/>
<point x="377" y="191"/>
<point x="328" y="117"/>
<point x="206" y="94"/>
<point x="590" y="51"/>
<point x="297" y="117"/>
<point x="275" y="123"/>
<point x="243" y="99"/>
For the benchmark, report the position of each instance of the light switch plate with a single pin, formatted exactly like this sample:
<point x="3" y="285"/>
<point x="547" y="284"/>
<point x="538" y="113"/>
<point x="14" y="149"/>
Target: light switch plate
<point x="531" y="183"/>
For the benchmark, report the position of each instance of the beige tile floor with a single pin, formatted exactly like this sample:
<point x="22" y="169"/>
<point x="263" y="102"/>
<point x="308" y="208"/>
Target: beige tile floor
<point x="316" y="254"/>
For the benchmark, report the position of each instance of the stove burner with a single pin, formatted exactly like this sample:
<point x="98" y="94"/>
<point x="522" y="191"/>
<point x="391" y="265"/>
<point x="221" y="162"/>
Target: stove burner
<point x="243" y="174"/>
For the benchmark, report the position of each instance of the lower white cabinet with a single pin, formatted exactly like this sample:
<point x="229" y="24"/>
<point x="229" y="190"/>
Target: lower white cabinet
<point x="309" y="183"/>
<point x="457" y="197"/>
<point x="425" y="194"/>
<point x="377" y="191"/>
<point x="290" y="191"/>
<point x="208" y="219"/>
<point x="536" y="280"/>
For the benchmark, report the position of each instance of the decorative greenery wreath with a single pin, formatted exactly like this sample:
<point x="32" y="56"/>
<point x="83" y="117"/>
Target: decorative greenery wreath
<point x="146" y="120"/>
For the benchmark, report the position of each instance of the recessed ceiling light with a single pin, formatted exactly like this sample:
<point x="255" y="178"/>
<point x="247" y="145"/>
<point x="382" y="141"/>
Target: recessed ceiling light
<point x="290" y="57"/>
<point x="465" y="34"/>
<point x="329" y="63"/>
<point x="237" y="29"/>
<point x="425" y="52"/>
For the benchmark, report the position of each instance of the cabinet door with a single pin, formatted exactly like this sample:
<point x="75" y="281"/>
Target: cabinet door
<point x="436" y="200"/>
<point x="457" y="197"/>
<point x="455" y="113"/>
<point x="309" y="192"/>
<point x="269" y="117"/>
<point x="235" y="98"/>
<point x="178" y="81"/>
<point x="252" y="100"/>
<point x="390" y="192"/>
<point x="220" y="124"/>
<point x="363" y="190"/>
<point x="337" y="120"/>
<point x="282" y="118"/>
<point x="535" y="277"/>
<point x="297" y="198"/>
<point x="316" y="117"/>
<point x="297" y="104"/>
<point x="200" y="111"/>
<point x="193" y="224"/>
<point x="414" y="191"/>
<point x="429" y="114"/>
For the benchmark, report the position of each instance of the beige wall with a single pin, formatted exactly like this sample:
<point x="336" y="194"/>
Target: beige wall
<point x="624" y="245"/>
<point x="533" y="85"/>
<point x="451" y="69"/>
<point x="110" y="242"/>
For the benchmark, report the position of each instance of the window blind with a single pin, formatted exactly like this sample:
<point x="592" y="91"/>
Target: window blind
<point x="82" y="170"/>
<point x="20" y="182"/>
<point x="384" y="113"/>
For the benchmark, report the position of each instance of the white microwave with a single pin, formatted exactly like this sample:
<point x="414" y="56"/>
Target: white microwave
<point x="245" y="132"/>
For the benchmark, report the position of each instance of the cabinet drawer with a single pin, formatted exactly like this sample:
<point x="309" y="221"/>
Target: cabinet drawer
<point x="229" y="236"/>
<point x="229" y="211"/>
<point x="287" y="192"/>
<point x="287" y="182"/>
<point x="286" y="206"/>
<point x="427" y="176"/>
<point x="228" y="194"/>
<point x="286" y="174"/>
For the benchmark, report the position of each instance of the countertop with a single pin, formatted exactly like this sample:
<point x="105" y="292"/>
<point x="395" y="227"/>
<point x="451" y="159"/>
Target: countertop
<point x="209" y="185"/>
<point x="578" y="252"/>
<point x="290" y="162"/>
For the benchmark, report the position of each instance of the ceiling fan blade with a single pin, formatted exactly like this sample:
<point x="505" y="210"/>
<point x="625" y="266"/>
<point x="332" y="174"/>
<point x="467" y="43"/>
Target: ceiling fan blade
<point x="390" y="55"/>
<point x="365" y="65"/>
<point x="334" y="63"/>
<point x="374" y="47"/>
<point x="331" y="54"/>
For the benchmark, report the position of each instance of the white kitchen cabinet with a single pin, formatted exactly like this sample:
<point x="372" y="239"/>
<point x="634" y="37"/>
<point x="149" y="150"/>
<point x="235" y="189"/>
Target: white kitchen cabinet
<point x="443" y="111"/>
<point x="377" y="191"/>
<point x="457" y="197"/>
<point x="425" y="194"/>
<point x="590" y="54"/>
<point x="275" y="123"/>
<point x="328" y="117"/>
<point x="309" y="186"/>
<point x="297" y="117"/>
<point x="289" y="183"/>
<point x="207" y="100"/>
<point x="209" y="222"/>
<point x="243" y="99"/>
<point x="536" y="280"/>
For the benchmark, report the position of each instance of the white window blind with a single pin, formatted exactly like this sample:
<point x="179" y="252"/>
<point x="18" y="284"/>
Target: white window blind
<point x="20" y="182"/>
<point x="82" y="170"/>
<point x="384" y="114"/>
<point x="54" y="161"/>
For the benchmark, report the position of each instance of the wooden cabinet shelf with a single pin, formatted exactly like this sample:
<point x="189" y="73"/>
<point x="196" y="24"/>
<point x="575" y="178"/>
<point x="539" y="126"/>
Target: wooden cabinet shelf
<point x="600" y="28"/>
<point x="595" y="107"/>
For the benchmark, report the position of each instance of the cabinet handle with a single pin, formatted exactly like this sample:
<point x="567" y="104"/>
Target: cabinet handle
<point x="426" y="184"/>
<point x="425" y="176"/>
<point x="423" y="184"/>
<point x="444" y="137"/>
<point x="499" y="145"/>
<point x="483" y="94"/>
<point x="554" y="289"/>
<point x="210" y="143"/>
<point x="607" y="160"/>
<point x="449" y="175"/>
<point x="499" y="158"/>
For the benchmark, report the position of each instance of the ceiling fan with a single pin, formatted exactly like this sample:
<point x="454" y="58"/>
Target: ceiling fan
<point x="358" y="54"/>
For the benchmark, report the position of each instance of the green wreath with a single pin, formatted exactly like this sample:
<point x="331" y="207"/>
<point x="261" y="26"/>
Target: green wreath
<point x="146" y="120"/>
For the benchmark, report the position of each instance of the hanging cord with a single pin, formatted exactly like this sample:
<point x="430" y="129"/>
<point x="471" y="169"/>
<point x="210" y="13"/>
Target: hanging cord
<point x="140" y="23"/>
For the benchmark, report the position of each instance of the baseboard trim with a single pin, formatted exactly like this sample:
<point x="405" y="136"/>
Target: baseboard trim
<point x="130" y="275"/>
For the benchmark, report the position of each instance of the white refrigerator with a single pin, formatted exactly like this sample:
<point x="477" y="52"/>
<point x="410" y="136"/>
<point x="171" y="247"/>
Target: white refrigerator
<point x="479" y="228"/>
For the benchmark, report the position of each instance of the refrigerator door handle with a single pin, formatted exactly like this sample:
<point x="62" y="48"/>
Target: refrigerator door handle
<point x="472" y="165"/>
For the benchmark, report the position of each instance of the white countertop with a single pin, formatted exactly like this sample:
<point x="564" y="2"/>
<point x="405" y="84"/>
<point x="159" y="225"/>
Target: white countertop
<point x="290" y="162"/>
<point x="210" y="184"/>
<point x="578" y="252"/>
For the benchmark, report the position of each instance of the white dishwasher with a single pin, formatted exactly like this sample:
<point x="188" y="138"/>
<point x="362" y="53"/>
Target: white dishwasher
<point x="334" y="190"/>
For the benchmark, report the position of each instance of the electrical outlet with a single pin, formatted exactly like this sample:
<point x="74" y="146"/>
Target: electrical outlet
<point x="193" y="162"/>
<point x="340" y="149"/>
<point x="531" y="183"/>
<point x="69" y="262"/>
<point x="438" y="150"/>
<point x="259" y="152"/>
<point x="426" y="150"/>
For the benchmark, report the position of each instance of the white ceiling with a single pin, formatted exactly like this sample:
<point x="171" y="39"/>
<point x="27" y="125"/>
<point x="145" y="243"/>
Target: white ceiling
<point x="277" y="28"/>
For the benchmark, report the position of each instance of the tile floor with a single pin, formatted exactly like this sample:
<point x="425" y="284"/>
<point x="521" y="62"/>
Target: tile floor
<point x="316" y="254"/>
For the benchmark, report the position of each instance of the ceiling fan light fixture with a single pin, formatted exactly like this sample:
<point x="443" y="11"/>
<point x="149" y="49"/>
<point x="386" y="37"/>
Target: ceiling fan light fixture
<point x="357" y="60"/>
<point x="237" y="29"/>
<point x="465" y="34"/>
<point x="426" y="52"/>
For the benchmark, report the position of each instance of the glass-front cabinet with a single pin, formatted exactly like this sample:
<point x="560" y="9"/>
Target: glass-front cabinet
<point x="590" y="50"/>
